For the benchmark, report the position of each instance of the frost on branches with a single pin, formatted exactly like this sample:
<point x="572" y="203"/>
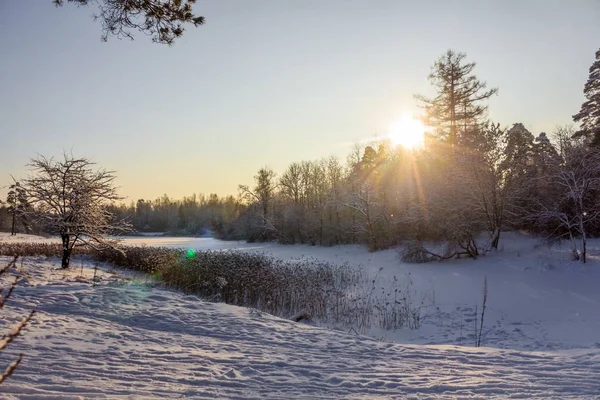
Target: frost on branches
<point x="574" y="206"/>
<point x="70" y="199"/>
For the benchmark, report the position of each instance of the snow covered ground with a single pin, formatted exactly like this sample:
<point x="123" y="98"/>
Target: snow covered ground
<point x="125" y="338"/>
<point x="537" y="298"/>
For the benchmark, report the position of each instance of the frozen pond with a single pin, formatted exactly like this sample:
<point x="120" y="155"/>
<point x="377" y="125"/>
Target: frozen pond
<point x="197" y="243"/>
<point x="353" y="254"/>
<point x="538" y="298"/>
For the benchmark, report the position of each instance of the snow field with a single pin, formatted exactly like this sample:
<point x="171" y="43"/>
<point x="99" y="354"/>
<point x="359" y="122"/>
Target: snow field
<point x="123" y="339"/>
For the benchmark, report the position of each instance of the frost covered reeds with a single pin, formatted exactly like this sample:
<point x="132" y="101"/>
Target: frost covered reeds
<point x="334" y="294"/>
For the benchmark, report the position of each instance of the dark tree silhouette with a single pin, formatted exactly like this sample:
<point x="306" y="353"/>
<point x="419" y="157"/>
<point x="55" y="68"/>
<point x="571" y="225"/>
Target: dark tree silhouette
<point x="589" y="115"/>
<point x="162" y="19"/>
<point x="17" y="206"/>
<point x="459" y="96"/>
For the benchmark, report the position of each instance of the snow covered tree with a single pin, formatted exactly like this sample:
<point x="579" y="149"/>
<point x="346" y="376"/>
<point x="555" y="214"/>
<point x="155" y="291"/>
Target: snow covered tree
<point x="363" y="198"/>
<point x="563" y="136"/>
<point x="262" y="195"/>
<point x="161" y="19"/>
<point x="293" y="220"/>
<point x="545" y="153"/>
<point x="458" y="102"/>
<point x="70" y="199"/>
<point x="143" y="209"/>
<point x="335" y="181"/>
<point x="589" y="115"/>
<point x="17" y="206"/>
<point x="489" y="183"/>
<point x="444" y="208"/>
<point x="363" y="201"/>
<point x="574" y="205"/>
<point x="518" y="173"/>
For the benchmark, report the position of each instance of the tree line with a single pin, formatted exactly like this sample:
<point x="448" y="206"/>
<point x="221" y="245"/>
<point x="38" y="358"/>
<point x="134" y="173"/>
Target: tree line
<point x="472" y="180"/>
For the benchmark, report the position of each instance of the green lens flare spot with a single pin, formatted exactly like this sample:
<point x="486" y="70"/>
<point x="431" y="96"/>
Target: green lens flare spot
<point x="191" y="253"/>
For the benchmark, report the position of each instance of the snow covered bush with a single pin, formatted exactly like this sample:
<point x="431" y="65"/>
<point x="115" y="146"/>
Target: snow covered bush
<point x="140" y="258"/>
<point x="30" y="249"/>
<point x="414" y="252"/>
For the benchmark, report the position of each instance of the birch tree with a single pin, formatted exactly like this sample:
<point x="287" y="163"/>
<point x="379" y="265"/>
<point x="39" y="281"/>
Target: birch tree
<point x="262" y="195"/>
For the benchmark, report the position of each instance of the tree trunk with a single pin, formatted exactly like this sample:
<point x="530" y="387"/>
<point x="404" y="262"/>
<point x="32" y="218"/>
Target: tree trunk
<point x="321" y="229"/>
<point x="583" y="245"/>
<point x="338" y="229"/>
<point x="14" y="218"/>
<point x="66" y="251"/>
<point x="496" y="240"/>
<point x="574" y="246"/>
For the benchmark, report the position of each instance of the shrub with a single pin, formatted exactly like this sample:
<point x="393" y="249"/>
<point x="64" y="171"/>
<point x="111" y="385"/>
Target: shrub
<point x="139" y="258"/>
<point x="414" y="252"/>
<point x="30" y="249"/>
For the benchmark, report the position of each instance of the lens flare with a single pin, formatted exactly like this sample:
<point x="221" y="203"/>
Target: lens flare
<point x="190" y="253"/>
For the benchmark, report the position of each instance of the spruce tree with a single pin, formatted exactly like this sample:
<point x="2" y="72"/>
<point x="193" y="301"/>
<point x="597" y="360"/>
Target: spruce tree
<point x="17" y="206"/>
<point x="589" y="115"/>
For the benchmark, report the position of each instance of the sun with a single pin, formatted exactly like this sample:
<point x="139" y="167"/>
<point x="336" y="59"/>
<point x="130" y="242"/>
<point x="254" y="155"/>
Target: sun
<point x="407" y="132"/>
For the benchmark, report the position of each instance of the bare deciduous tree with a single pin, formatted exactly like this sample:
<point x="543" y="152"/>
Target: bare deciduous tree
<point x="71" y="199"/>
<point x="575" y="206"/>
<point x="263" y="194"/>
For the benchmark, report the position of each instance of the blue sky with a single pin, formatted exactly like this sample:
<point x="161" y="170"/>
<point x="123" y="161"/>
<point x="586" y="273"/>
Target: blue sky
<point x="269" y="82"/>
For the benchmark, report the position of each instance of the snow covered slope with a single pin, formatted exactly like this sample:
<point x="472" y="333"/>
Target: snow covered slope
<point x="122" y="339"/>
<point x="538" y="298"/>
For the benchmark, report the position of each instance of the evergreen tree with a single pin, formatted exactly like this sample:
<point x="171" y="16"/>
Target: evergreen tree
<point x="458" y="103"/>
<point x="162" y="19"/>
<point x="545" y="154"/>
<point x="589" y="115"/>
<point x="181" y="218"/>
<point x="17" y="206"/>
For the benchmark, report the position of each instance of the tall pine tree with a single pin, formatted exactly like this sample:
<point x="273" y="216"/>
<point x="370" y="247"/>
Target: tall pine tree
<point x="457" y="106"/>
<point x="17" y="206"/>
<point x="589" y="115"/>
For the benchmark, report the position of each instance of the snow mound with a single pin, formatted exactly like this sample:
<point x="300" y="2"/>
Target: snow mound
<point x="122" y="339"/>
